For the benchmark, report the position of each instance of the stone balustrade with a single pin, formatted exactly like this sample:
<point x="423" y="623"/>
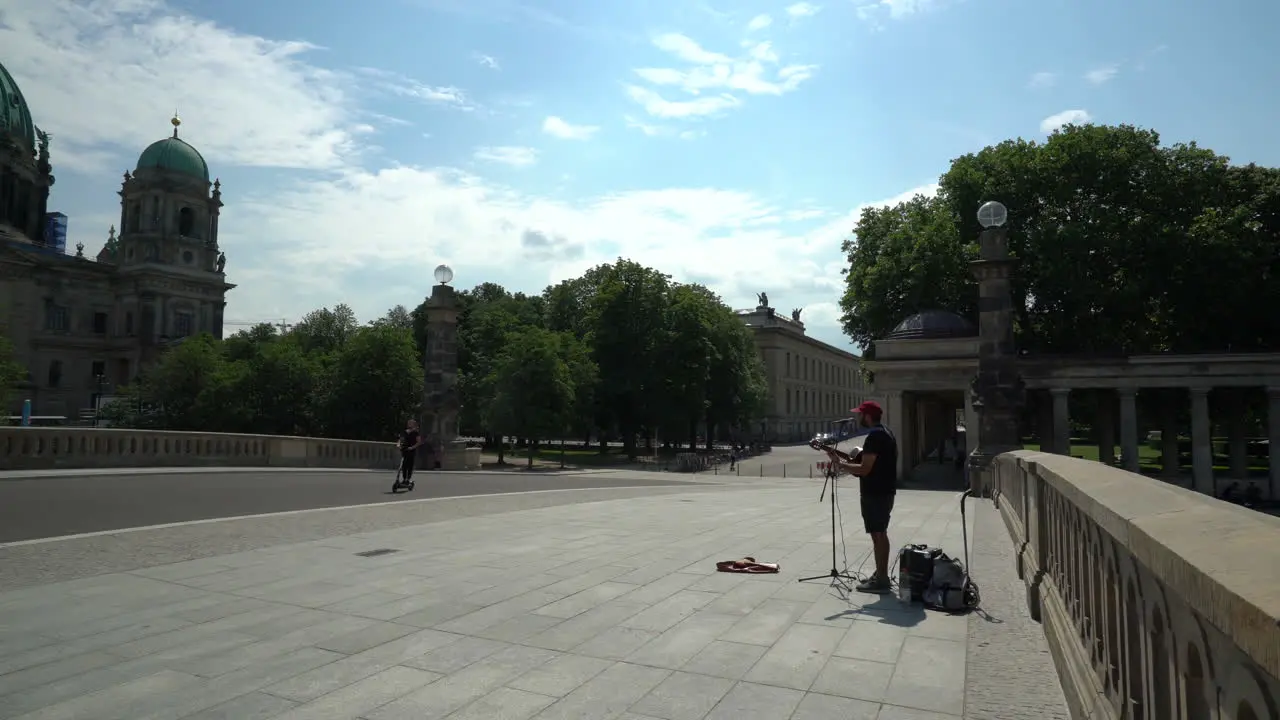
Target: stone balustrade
<point x="1159" y="603"/>
<point x="39" y="448"/>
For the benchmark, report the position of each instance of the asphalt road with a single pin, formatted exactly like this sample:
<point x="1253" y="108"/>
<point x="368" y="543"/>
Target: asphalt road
<point x="66" y="505"/>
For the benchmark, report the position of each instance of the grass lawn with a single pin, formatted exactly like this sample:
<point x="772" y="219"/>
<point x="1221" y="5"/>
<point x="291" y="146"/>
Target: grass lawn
<point x="1149" y="459"/>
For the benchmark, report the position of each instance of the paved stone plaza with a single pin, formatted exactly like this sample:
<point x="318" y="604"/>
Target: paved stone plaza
<point x="589" y="610"/>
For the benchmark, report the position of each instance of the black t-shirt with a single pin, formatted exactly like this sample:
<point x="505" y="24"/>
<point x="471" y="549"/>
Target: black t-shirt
<point x="883" y="478"/>
<point x="408" y="439"/>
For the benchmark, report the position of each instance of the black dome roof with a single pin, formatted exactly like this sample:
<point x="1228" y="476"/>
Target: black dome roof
<point x="933" y="325"/>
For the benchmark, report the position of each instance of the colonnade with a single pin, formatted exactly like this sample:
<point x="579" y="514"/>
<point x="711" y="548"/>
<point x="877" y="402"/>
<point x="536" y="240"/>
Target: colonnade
<point x="1058" y="437"/>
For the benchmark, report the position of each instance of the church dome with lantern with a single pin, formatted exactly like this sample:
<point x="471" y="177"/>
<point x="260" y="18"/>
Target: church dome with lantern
<point x="174" y="155"/>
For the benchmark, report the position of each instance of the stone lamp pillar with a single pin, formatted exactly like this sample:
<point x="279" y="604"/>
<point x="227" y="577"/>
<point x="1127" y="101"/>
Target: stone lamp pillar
<point x="440" y="374"/>
<point x="998" y="391"/>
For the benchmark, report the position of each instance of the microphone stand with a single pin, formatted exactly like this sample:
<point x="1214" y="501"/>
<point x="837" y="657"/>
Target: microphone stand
<point x="837" y="579"/>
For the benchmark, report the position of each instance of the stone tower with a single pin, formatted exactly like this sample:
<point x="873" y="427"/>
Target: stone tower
<point x="169" y="242"/>
<point x="998" y="387"/>
<point x="440" y="376"/>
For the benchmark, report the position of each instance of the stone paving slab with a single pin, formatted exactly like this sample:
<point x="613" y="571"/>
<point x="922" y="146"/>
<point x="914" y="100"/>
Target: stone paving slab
<point x="589" y="611"/>
<point x="1007" y="649"/>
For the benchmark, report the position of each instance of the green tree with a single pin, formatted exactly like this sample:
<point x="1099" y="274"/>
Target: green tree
<point x="279" y="385"/>
<point x="247" y="343"/>
<point x="326" y="330"/>
<point x="398" y="317"/>
<point x="902" y="260"/>
<point x="1118" y="240"/>
<point x="374" y="384"/>
<point x="192" y="387"/>
<point x="534" y="388"/>
<point x="685" y="369"/>
<point x="737" y="388"/>
<point x="626" y="320"/>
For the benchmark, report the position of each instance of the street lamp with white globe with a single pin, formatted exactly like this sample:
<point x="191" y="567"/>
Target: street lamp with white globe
<point x="997" y="390"/>
<point x="992" y="214"/>
<point x="444" y="274"/>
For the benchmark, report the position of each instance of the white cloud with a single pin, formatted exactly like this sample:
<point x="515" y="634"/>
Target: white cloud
<point x="1101" y="75"/>
<point x="556" y="127"/>
<point x="759" y="22"/>
<point x="404" y="86"/>
<point x="802" y="9"/>
<point x="1066" y="117"/>
<point x="661" y="130"/>
<point x="756" y="72"/>
<point x="134" y="61"/>
<point x="488" y="61"/>
<point x="895" y="9"/>
<point x="507" y="155"/>
<point x="658" y="106"/>
<point x="1042" y="80"/>
<point x="354" y="227"/>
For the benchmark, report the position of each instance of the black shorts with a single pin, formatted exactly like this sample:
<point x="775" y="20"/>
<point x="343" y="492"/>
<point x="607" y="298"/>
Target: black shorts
<point x="876" y="510"/>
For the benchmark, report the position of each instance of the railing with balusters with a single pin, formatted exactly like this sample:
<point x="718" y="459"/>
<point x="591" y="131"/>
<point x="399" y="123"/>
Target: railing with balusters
<point x="37" y="448"/>
<point x="1158" y="603"/>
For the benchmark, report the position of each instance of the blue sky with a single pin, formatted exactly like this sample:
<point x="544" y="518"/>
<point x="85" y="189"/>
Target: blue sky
<point x="522" y="141"/>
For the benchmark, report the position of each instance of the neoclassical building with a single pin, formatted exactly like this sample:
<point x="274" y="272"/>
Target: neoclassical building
<point x="83" y="326"/>
<point x="811" y="384"/>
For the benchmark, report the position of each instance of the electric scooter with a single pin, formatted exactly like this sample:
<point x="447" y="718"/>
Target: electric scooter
<point x="400" y="483"/>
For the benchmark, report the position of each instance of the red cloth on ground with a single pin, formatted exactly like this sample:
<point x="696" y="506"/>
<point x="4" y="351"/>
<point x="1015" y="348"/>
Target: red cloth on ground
<point x="746" y="565"/>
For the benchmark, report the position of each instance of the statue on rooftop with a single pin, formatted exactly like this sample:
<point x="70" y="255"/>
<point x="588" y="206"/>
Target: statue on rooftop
<point x="763" y="299"/>
<point x="222" y="261"/>
<point x="795" y="314"/>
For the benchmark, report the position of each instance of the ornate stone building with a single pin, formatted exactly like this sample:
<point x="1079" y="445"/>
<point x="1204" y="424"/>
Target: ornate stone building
<point x="86" y="326"/>
<point x="811" y="383"/>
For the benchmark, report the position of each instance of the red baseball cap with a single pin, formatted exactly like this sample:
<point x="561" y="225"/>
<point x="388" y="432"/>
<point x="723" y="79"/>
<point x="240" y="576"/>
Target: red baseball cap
<point x="869" y="407"/>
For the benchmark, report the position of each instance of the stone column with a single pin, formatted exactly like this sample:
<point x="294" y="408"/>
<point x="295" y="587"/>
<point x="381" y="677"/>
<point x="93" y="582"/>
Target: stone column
<point x="1129" y="428"/>
<point x="972" y="434"/>
<point x="1061" y="420"/>
<point x="1273" y="436"/>
<point x="895" y="421"/>
<point x="1201" y="443"/>
<point x="998" y="384"/>
<point x="1044" y="423"/>
<point x="440" y="375"/>
<point x="1237" y="428"/>
<point x="1105" y="425"/>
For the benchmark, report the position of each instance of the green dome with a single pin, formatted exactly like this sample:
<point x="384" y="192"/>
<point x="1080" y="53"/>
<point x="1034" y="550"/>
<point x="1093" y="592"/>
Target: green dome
<point x="15" y="116"/>
<point x="175" y="155"/>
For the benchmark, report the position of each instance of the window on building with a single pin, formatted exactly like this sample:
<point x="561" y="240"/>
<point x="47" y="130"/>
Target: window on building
<point x="128" y="323"/>
<point x="183" y="324"/>
<point x="55" y="374"/>
<point x="100" y="323"/>
<point x="788" y="401"/>
<point x="788" y="365"/>
<point x="56" y="317"/>
<point x="186" y="222"/>
<point x="99" y="369"/>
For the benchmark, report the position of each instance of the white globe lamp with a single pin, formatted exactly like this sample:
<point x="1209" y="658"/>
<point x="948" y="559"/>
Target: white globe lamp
<point x="992" y="214"/>
<point x="444" y="274"/>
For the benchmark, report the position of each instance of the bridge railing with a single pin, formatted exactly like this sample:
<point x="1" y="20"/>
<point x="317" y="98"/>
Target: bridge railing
<point x="1158" y="603"/>
<point x="37" y="448"/>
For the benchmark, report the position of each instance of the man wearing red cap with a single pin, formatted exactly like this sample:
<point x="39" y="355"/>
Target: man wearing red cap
<point x="877" y="470"/>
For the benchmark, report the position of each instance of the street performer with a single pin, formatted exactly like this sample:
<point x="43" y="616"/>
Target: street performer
<point x="876" y="467"/>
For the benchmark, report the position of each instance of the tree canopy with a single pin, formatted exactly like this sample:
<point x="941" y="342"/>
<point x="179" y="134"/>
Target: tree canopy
<point x="620" y="352"/>
<point x="1124" y="246"/>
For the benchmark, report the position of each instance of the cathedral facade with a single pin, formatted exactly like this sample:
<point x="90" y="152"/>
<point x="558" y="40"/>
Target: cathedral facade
<point x="84" y="327"/>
